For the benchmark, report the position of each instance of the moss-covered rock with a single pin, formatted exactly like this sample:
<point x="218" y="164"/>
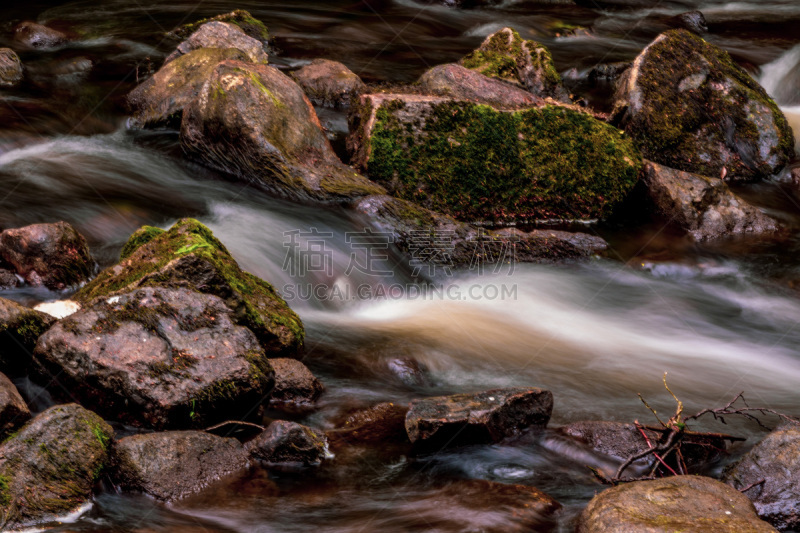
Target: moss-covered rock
<point x="216" y="34"/>
<point x="139" y="238"/>
<point x="507" y="56"/>
<point x="241" y="18"/>
<point x="189" y="256"/>
<point x="690" y="107"/>
<point x="20" y="328"/>
<point x="162" y="97"/>
<point x="255" y="123"/>
<point x="477" y="163"/>
<point x="50" y="466"/>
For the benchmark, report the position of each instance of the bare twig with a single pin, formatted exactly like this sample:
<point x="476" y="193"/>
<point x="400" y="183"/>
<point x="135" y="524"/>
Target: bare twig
<point x="746" y="411"/>
<point x="751" y="485"/>
<point x="235" y="422"/>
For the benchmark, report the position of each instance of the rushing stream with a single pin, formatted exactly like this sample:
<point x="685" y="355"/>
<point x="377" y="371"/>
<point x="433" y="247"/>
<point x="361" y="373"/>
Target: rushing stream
<point x="720" y="319"/>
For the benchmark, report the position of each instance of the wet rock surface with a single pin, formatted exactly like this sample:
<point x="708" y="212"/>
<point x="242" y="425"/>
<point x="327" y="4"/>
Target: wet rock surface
<point x="775" y="461"/>
<point x="381" y="423"/>
<point x="689" y="503"/>
<point x="485" y="417"/>
<point x="10" y="68"/>
<point x="462" y="83"/>
<point x="295" y="385"/>
<point x="50" y="466"/>
<point x="221" y="35"/>
<point x="37" y="36"/>
<point x="158" y="357"/>
<point x="13" y="410"/>
<point x="285" y="442"/>
<point x="172" y="465"/>
<point x="20" y="328"/>
<point x="329" y="83"/>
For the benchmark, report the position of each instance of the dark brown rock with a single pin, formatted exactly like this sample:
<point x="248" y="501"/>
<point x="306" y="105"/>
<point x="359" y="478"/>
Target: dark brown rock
<point x="775" y="461"/>
<point x="679" y="503"/>
<point x="172" y="465"/>
<point x="162" y="97"/>
<point x="255" y="123"/>
<point x="8" y="279"/>
<point x="221" y="35"/>
<point x="49" y="468"/>
<point x="295" y="385"/>
<point x="703" y="207"/>
<point x="10" y="68"/>
<point x="694" y="21"/>
<point x="381" y="423"/>
<point x="53" y="255"/>
<point x="13" y="410"/>
<point x="466" y="84"/>
<point x="158" y="357"/>
<point x="608" y="71"/>
<point x="329" y="83"/>
<point x="20" y="328"/>
<point x="36" y="36"/>
<point x="289" y="442"/>
<point x="484" y="417"/>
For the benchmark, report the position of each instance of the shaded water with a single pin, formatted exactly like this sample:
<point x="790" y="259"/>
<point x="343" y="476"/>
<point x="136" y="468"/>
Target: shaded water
<point x="719" y="319"/>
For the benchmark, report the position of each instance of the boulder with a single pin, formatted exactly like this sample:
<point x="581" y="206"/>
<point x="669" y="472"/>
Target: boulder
<point x="49" y="468"/>
<point x="255" y="123"/>
<point x="161" y="98"/>
<point x="507" y="56"/>
<point x="383" y="423"/>
<point x="53" y="255"/>
<point x="189" y="256"/>
<point x="158" y="357"/>
<point x="221" y="35"/>
<point x="36" y="36"/>
<point x="411" y="226"/>
<point x="20" y="328"/>
<point x="295" y="385"/>
<point x="690" y="107"/>
<point x="703" y="207"/>
<point x="329" y="83"/>
<point x="482" y="164"/>
<point x="694" y="21"/>
<point x="9" y="279"/>
<point x="484" y="417"/>
<point x="678" y="503"/>
<point x="776" y="461"/>
<point x="174" y="464"/>
<point x="289" y="442"/>
<point x="608" y="71"/>
<point x="250" y="25"/>
<point x="13" y="410"/>
<point x="462" y="83"/>
<point x="10" y="68"/>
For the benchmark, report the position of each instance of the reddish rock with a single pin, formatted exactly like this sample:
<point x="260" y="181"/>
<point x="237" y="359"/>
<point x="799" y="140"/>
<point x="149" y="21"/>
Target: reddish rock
<point x="295" y="385"/>
<point x="329" y="83"/>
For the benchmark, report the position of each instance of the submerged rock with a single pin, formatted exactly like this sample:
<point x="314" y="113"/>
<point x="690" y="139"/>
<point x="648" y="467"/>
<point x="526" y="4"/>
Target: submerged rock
<point x="289" y="442"/>
<point x="462" y="83"/>
<point x="20" y="328"/>
<point x="477" y="163"/>
<point x="13" y="410"/>
<point x="221" y="35"/>
<point x="381" y="423"/>
<point x="162" y="97"/>
<point x="295" y="385"/>
<point x="48" y="469"/>
<point x="189" y="256"/>
<point x="10" y="68"/>
<point x="775" y="461"/>
<point x="608" y="71"/>
<point x="255" y="123"/>
<point x="250" y="25"/>
<point x="690" y="107"/>
<point x="507" y="56"/>
<point x="158" y="357"/>
<point x="678" y="503"/>
<point x="484" y="417"/>
<point x="703" y="207"/>
<point x="53" y="255"/>
<point x="36" y="36"/>
<point x="329" y="83"/>
<point x="172" y="465"/>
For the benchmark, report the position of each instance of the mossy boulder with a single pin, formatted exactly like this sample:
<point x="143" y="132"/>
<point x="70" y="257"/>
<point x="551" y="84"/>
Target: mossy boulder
<point x="690" y="107"/>
<point x="255" y="123"/>
<point x="221" y="35"/>
<point x="679" y="503"/>
<point x="171" y="465"/>
<point x="161" y="98"/>
<point x="329" y="83"/>
<point x="20" y="328"/>
<point x="477" y="163"/>
<point x="189" y="256"/>
<point x="505" y="55"/>
<point x="772" y="470"/>
<point x="51" y="465"/>
<point x="10" y="68"/>
<point x="158" y="357"/>
<point x="464" y="84"/>
<point x="250" y="25"/>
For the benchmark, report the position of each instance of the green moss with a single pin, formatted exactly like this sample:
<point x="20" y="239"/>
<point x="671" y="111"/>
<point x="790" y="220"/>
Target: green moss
<point x="142" y="236"/>
<point x="476" y="163"/>
<point x="257" y="81"/>
<point x="247" y="22"/>
<point x="258" y="306"/>
<point x="5" y="490"/>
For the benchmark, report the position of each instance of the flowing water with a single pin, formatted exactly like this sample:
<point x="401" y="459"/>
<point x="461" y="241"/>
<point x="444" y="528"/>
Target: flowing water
<point x="720" y="319"/>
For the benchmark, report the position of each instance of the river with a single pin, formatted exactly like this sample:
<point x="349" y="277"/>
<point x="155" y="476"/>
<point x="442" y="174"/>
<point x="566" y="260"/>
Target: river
<point x="719" y="318"/>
